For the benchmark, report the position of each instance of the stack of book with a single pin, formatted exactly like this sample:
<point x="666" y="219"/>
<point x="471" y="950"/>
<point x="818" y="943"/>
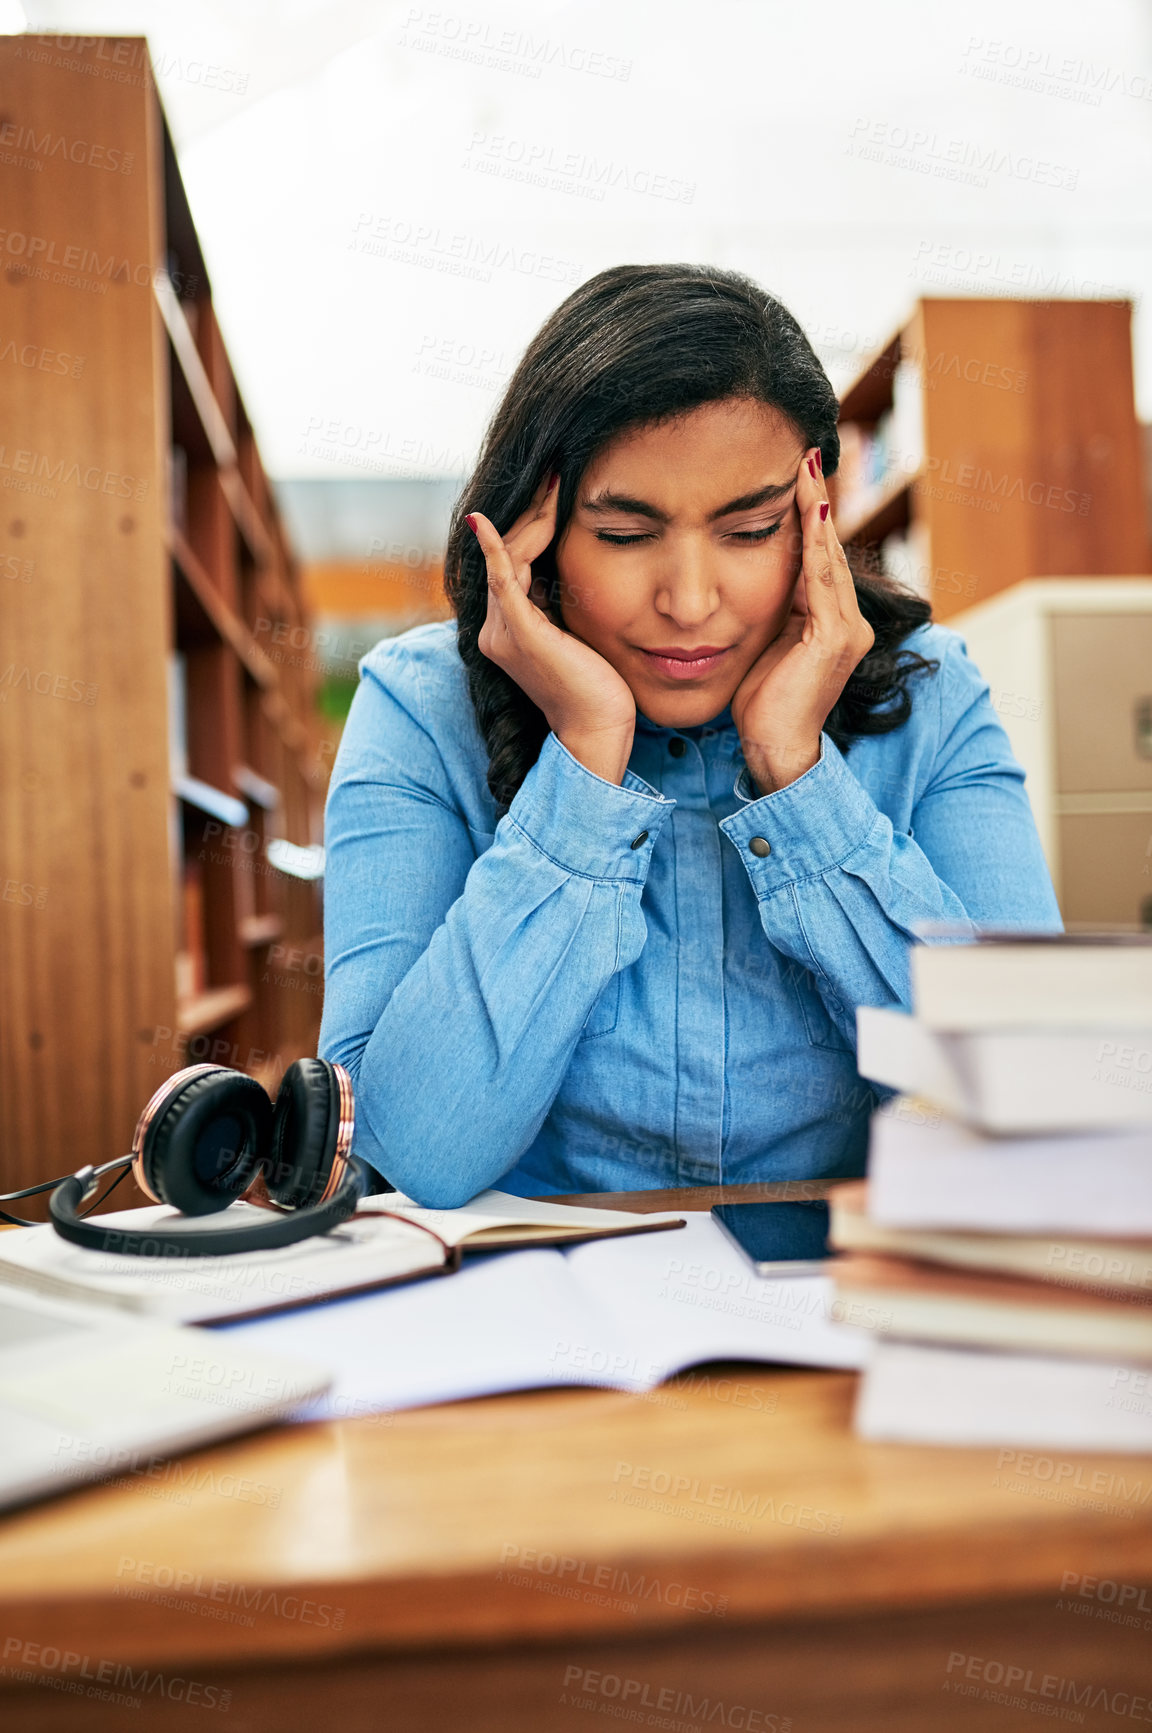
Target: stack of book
<point x="1002" y="1242"/>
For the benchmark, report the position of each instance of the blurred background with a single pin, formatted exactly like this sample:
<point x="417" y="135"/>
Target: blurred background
<point x="266" y="271"/>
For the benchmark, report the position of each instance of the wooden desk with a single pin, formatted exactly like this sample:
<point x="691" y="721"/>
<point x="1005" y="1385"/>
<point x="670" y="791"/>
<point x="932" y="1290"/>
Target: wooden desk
<point x="721" y="1553"/>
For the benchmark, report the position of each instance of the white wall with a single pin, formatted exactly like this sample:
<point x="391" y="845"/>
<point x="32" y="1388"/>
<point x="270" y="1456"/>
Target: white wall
<point x="849" y="156"/>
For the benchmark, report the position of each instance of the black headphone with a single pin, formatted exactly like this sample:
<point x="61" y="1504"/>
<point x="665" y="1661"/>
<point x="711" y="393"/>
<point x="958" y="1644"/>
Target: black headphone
<point x="206" y="1137"/>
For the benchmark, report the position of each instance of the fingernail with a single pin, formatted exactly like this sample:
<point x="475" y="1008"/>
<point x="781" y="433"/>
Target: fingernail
<point x="823" y="511"/>
<point x="471" y="522"/>
<point x="819" y="461"/>
<point x="812" y="469"/>
<point x="555" y="479"/>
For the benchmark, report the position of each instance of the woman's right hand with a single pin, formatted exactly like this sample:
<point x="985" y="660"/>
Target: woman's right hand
<point x="588" y="705"/>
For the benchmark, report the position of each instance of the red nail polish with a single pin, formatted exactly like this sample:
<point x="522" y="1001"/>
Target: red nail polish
<point x="555" y="479"/>
<point x="823" y="511"/>
<point x="471" y="522"/>
<point x="819" y="461"/>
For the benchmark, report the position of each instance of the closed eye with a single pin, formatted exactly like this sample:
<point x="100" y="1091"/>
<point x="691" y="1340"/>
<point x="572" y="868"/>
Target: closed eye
<point x="760" y="535"/>
<point x="748" y="537"/>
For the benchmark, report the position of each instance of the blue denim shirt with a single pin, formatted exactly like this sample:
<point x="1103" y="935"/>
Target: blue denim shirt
<point x="610" y="989"/>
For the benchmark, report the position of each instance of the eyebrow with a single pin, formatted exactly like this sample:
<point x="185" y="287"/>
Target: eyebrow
<point x="619" y="502"/>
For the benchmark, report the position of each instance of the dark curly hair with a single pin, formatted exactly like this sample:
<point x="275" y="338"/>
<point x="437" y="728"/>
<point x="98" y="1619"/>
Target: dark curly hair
<point x="636" y="345"/>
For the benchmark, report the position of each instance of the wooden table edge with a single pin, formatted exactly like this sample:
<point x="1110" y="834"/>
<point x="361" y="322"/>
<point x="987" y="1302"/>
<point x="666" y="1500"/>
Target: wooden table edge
<point x="412" y="1613"/>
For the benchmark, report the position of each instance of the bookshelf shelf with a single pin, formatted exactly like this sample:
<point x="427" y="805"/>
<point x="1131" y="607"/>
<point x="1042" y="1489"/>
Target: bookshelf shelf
<point x="231" y="629"/>
<point x="207" y="1011"/>
<point x="887" y="511"/>
<point x="993" y="441"/>
<point x="257" y="930"/>
<point x="160" y="596"/>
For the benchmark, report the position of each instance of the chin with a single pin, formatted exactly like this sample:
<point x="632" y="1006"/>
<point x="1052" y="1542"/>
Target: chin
<point x="685" y="709"/>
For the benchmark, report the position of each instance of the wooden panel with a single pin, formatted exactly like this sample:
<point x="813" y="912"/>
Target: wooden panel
<point x="910" y="1671"/>
<point x="88" y="960"/>
<point x="1086" y="441"/>
<point x="1106" y="869"/>
<point x="1102" y="686"/>
<point x="978" y="442"/>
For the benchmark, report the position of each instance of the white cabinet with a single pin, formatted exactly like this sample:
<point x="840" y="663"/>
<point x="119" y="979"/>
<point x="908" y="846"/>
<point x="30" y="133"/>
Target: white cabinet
<point x="1069" y="661"/>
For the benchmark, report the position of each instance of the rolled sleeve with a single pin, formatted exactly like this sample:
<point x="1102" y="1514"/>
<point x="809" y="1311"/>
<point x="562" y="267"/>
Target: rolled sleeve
<point x="810" y="827"/>
<point x="585" y="824"/>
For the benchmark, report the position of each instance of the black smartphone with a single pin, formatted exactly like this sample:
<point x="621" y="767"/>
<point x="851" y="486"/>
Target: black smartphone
<point x="778" y="1239"/>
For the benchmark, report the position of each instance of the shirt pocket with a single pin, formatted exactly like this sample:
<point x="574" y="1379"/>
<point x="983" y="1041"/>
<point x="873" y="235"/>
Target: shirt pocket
<point x="818" y="1026"/>
<point x="602" y="1018"/>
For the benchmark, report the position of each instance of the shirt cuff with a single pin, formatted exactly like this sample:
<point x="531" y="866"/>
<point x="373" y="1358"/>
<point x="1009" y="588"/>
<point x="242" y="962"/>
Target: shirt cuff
<point x="583" y="822"/>
<point x="803" y="830"/>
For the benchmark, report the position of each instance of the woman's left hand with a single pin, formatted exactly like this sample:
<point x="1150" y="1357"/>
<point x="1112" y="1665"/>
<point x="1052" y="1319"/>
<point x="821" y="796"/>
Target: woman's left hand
<point x="781" y="705"/>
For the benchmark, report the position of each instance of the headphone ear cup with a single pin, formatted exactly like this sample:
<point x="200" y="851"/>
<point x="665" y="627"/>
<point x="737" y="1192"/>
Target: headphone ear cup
<point x="206" y="1143"/>
<point x="305" y="1125"/>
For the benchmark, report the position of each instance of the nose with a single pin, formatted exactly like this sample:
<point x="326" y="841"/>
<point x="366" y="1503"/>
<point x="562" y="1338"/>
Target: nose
<point x="687" y="592"/>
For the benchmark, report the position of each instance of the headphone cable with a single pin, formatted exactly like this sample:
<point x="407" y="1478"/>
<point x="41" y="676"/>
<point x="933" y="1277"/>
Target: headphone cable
<point x="50" y="1185"/>
<point x="91" y="1210"/>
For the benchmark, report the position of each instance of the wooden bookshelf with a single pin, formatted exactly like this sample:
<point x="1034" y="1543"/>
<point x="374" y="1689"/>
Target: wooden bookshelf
<point x="992" y="441"/>
<point x="144" y="926"/>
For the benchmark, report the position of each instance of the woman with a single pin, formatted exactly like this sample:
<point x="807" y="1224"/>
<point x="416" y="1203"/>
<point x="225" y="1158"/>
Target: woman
<point x="614" y="856"/>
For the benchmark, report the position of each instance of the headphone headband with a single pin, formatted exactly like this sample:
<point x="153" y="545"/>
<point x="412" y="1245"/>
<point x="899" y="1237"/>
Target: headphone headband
<point x="284" y="1228"/>
<point x="164" y="1156"/>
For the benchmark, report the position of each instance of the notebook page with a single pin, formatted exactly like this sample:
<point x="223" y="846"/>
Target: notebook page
<point x="684" y="1297"/>
<point x="504" y="1322"/>
<point x="495" y="1209"/>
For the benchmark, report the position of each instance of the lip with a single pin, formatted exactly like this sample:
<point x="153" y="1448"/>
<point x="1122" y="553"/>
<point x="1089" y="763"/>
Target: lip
<point x="679" y="663"/>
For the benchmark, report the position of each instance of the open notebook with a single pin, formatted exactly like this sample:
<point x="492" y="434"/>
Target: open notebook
<point x="625" y="1313"/>
<point x="388" y="1240"/>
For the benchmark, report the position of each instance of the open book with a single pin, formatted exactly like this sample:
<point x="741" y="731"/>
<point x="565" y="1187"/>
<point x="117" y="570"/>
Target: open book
<point x="626" y="1313"/>
<point x="389" y="1239"/>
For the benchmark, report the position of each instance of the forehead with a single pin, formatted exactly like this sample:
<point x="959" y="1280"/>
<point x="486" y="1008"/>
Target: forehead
<point x="704" y="457"/>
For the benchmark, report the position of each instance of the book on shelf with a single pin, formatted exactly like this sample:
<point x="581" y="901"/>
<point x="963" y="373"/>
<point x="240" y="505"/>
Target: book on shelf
<point x="388" y="1240"/>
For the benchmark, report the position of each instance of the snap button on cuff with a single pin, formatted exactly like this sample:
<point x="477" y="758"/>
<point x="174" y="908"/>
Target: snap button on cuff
<point x="637" y="840"/>
<point x="760" y="846"/>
